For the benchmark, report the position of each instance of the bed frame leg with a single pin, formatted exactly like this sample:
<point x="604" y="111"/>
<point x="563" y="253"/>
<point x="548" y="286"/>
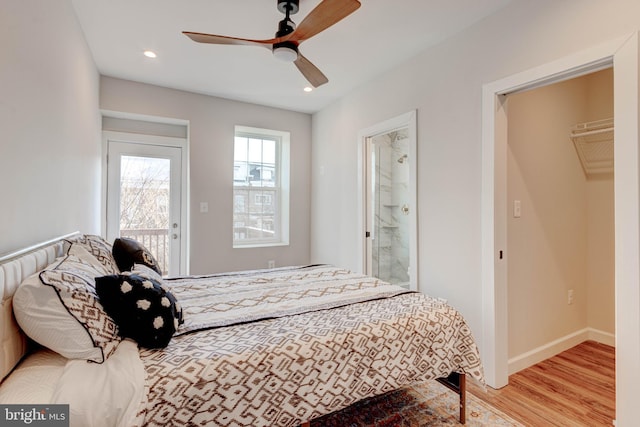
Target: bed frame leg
<point x="458" y="383"/>
<point x="463" y="398"/>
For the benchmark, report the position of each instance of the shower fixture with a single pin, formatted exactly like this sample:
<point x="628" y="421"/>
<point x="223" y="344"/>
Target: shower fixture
<point x="402" y="159"/>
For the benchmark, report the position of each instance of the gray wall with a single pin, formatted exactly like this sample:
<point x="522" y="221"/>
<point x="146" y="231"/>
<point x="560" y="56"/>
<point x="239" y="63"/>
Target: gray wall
<point x="49" y="125"/>
<point x="211" y="132"/>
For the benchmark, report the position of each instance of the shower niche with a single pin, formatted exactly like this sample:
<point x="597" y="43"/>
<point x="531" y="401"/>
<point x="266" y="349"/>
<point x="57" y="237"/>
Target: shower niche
<point x="390" y="218"/>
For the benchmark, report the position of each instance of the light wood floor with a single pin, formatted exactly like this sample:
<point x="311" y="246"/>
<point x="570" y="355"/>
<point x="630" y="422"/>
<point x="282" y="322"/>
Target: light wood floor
<point x="574" y="388"/>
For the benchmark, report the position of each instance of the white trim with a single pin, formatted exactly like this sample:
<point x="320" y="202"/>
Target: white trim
<point x="493" y="204"/>
<point x="144" y="117"/>
<point x="136" y="138"/>
<point x="408" y="120"/>
<point x="555" y="347"/>
<point x="602" y="337"/>
<point x="626" y="82"/>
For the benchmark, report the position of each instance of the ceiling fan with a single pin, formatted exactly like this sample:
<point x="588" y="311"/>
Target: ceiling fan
<point x="288" y="37"/>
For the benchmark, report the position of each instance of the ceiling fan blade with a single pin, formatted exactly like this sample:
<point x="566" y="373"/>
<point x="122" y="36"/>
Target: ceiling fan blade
<point x="214" y="39"/>
<point x="310" y="71"/>
<point x="327" y="13"/>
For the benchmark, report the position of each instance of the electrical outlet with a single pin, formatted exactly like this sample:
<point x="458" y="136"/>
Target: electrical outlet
<point x="570" y="296"/>
<point x="271" y="263"/>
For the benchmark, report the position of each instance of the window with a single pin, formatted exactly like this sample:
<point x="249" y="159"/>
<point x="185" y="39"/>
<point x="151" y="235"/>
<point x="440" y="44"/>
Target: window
<point x="260" y="187"/>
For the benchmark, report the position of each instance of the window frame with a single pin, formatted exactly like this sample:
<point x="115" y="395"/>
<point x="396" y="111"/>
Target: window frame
<point x="281" y="189"/>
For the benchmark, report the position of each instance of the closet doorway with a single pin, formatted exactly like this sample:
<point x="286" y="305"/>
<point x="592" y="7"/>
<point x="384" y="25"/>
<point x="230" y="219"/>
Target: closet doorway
<point x="624" y="54"/>
<point x="560" y="218"/>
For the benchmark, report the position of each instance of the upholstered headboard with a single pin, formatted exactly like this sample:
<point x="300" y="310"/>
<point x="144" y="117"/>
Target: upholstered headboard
<point x="14" y="268"/>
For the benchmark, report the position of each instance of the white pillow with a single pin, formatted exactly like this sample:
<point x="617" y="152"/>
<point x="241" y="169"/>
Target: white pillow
<point x="59" y="308"/>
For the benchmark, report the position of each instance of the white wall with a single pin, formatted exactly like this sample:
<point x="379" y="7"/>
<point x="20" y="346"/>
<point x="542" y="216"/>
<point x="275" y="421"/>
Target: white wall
<point x="211" y="133"/>
<point x="444" y="84"/>
<point x="50" y="125"/>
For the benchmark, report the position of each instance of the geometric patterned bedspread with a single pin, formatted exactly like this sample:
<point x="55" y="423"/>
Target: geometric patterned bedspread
<point x="231" y="298"/>
<point x="281" y="371"/>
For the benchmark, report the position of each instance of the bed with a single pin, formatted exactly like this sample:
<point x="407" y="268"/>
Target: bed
<point x="276" y="347"/>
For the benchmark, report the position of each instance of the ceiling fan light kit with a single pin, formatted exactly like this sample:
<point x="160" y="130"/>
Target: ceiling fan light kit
<point x="285" y="51"/>
<point x="288" y="37"/>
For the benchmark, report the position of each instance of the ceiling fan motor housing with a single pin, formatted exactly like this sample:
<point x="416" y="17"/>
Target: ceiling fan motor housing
<point x="292" y="6"/>
<point x="286" y="26"/>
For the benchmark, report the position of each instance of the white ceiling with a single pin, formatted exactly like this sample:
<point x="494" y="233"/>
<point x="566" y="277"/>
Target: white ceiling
<point x="375" y="38"/>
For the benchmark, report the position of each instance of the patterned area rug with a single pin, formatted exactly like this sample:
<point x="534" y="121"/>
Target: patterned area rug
<point x="426" y="404"/>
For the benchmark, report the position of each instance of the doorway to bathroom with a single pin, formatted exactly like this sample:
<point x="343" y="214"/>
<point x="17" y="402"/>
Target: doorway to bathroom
<point x="389" y="201"/>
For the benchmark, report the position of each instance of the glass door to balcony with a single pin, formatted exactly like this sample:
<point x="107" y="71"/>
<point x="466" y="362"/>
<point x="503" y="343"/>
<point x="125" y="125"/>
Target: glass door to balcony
<point x="144" y="198"/>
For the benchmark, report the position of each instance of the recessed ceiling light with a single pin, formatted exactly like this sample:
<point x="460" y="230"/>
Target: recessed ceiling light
<point x="150" y="54"/>
<point x="308" y="89"/>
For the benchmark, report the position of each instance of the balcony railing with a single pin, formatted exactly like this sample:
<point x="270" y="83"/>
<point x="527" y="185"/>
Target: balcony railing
<point x="156" y="240"/>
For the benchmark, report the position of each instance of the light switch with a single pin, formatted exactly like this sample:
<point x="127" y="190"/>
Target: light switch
<point x="204" y="207"/>
<point x="517" y="209"/>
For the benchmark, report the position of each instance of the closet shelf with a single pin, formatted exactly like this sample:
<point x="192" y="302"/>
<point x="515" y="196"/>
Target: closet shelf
<point x="594" y="145"/>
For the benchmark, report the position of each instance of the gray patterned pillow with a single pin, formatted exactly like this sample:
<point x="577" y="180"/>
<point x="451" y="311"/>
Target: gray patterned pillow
<point x="62" y="310"/>
<point x="99" y="248"/>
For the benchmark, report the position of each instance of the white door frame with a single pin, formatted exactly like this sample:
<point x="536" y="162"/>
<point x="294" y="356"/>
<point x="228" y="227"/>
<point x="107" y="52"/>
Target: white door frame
<point x="163" y="141"/>
<point x="624" y="55"/>
<point x="409" y="121"/>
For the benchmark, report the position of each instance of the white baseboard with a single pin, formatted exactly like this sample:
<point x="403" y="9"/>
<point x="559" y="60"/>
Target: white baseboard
<point x="602" y="337"/>
<point x="548" y="350"/>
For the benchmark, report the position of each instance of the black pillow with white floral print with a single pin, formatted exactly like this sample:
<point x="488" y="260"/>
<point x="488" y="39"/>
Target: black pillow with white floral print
<point x="143" y="308"/>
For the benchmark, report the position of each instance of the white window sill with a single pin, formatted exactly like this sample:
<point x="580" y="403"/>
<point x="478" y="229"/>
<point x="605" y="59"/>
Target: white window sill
<point x="259" y="245"/>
